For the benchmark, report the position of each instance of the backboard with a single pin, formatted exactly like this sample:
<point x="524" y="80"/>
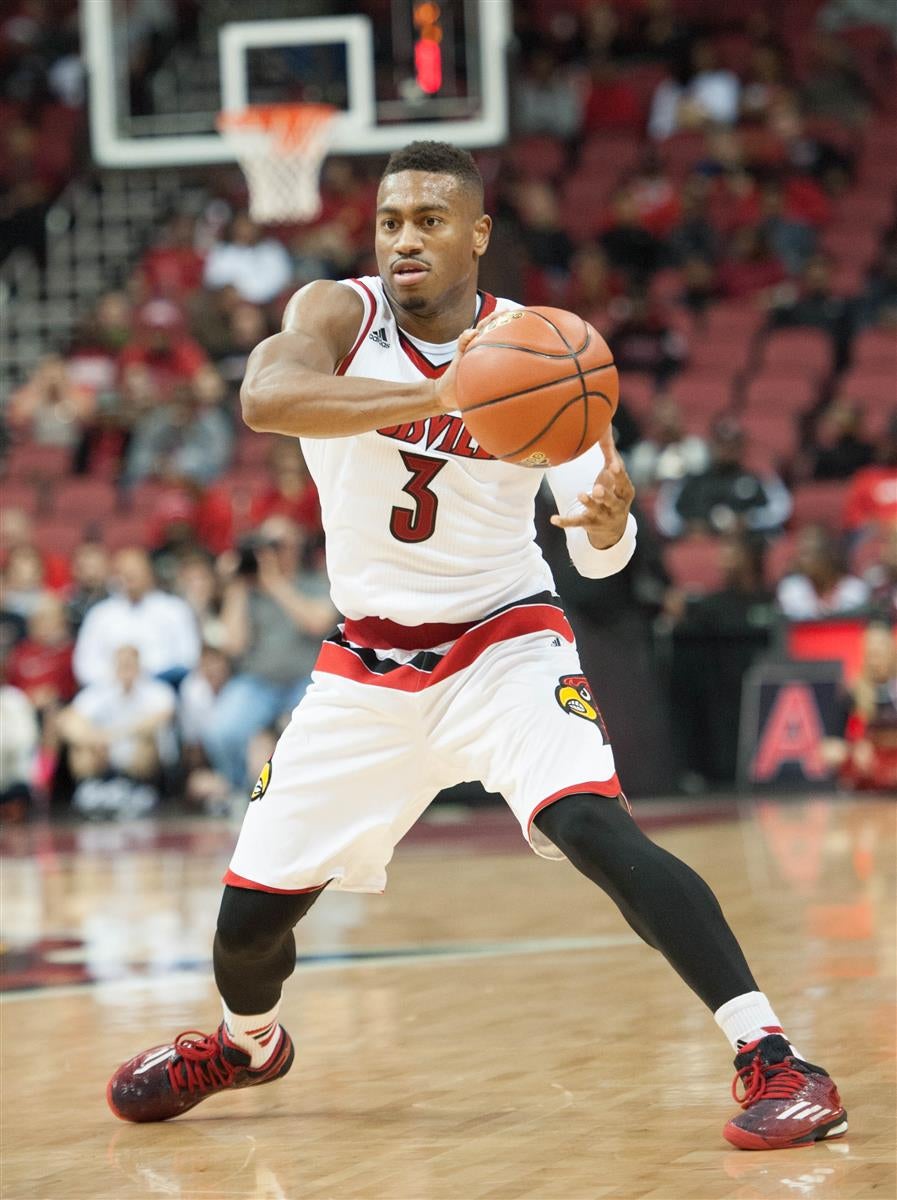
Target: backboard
<point x="396" y="69"/>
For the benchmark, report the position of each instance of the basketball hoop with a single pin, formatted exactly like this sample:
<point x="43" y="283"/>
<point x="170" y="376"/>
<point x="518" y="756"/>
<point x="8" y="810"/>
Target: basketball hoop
<point x="280" y="148"/>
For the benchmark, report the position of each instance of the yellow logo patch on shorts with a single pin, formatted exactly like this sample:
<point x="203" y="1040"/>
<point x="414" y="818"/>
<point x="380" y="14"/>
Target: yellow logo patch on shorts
<point x="261" y="784"/>
<point x="575" y="697"/>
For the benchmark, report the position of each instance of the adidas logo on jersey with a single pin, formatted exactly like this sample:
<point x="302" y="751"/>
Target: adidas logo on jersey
<point x="379" y="336"/>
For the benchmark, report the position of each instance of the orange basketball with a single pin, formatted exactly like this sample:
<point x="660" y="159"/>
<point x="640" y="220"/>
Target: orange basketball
<point x="537" y="386"/>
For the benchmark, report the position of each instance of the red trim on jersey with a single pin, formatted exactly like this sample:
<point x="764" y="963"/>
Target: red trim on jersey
<point x="366" y="329"/>
<point x="423" y="364"/>
<point x="337" y="659"/>
<point x="609" y="788"/>
<point x="235" y="880"/>
<point x="488" y="306"/>
<point x="380" y="634"/>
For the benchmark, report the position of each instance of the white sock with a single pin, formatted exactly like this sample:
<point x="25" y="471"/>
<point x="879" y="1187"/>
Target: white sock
<point x="256" y="1033"/>
<point x="745" y="1019"/>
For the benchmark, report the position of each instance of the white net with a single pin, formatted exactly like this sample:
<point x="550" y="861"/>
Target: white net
<point x="280" y="148"/>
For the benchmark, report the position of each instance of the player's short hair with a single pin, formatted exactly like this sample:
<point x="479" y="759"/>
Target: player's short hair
<point x="439" y="158"/>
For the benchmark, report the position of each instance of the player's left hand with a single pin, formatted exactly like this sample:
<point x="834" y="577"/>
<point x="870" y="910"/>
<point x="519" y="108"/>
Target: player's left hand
<point x="604" y="509"/>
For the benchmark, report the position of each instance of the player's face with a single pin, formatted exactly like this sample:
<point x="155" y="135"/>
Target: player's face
<point x="430" y="235"/>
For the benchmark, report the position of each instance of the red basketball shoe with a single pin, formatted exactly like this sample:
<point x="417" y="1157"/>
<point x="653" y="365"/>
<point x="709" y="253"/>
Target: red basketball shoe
<point x="786" y="1102"/>
<point x="167" y="1080"/>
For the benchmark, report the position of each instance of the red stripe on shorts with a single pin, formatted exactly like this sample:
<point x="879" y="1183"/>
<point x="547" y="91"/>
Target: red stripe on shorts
<point x="336" y="659"/>
<point x="609" y="788"/>
<point x="235" y="880"/>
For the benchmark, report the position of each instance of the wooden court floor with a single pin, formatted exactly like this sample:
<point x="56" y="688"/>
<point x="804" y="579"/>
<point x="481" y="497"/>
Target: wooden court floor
<point x="489" y="1029"/>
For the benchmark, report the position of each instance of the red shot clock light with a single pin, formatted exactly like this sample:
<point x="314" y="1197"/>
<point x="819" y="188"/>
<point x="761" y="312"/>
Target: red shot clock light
<point x="427" y="48"/>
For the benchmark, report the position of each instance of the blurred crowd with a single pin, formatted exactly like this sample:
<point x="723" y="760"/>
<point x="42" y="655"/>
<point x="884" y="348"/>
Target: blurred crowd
<point x="675" y="174"/>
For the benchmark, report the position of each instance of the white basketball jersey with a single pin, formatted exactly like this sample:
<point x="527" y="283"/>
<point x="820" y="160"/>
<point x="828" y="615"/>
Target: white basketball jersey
<point x="422" y="525"/>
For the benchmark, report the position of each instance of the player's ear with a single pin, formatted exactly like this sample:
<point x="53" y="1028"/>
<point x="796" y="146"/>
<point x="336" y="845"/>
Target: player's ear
<point x="482" y="230"/>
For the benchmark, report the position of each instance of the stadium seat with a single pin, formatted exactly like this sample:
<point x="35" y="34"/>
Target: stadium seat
<point x="34" y="460"/>
<point x="86" y="497"/>
<point x="694" y="564"/>
<point x="819" y="502"/>
<point x="809" y="351"/>
<point x="61" y="534"/>
<point x="773" y="435"/>
<point x="874" y="387"/>
<point x="780" y="558"/>
<point x="778" y="393"/>
<point x="19" y="493"/>
<point x="703" y="396"/>
<point x="876" y="348"/>
<point x="637" y="393"/>
<point x="254" y="449"/>
<point x="538" y="157"/>
<point x="732" y="320"/>
<point x="727" y="356"/>
<point x="130" y="530"/>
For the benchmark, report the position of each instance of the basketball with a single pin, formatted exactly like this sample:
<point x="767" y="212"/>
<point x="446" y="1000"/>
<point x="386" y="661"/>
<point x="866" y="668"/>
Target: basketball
<point x="537" y="386"/>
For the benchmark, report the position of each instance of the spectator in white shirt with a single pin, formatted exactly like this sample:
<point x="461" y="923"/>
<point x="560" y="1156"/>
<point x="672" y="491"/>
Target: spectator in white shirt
<point x="819" y="585"/>
<point x="161" y="627"/>
<point x="125" y="724"/>
<point x="258" y="267"/>
<point x="699" y="94"/>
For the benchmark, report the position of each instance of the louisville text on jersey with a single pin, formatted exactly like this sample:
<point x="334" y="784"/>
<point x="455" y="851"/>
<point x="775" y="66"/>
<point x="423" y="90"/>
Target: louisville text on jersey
<point x="445" y="433"/>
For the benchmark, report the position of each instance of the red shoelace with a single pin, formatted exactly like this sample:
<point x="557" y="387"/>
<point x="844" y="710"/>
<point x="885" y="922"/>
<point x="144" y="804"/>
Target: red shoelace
<point x="767" y="1081"/>
<point x="199" y="1065"/>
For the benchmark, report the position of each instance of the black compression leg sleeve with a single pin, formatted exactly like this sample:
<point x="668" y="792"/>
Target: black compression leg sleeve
<point x="667" y="903"/>
<point x="254" y="950"/>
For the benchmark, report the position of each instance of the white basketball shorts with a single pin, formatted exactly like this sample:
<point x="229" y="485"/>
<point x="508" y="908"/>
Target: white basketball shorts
<point x="384" y="726"/>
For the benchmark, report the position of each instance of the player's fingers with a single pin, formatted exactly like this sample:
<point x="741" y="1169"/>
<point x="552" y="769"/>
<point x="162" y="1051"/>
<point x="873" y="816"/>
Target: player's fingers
<point x="465" y="339"/>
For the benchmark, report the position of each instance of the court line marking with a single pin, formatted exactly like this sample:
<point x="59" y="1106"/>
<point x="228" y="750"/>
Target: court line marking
<point x="318" y="963"/>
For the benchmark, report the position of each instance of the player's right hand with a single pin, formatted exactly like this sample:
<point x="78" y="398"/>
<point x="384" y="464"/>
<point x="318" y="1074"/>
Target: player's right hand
<point x="446" y="385"/>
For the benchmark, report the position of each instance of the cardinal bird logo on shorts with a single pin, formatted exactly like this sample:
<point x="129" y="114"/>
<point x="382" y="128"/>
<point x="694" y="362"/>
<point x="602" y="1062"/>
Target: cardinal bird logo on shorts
<point x="574" y="696"/>
<point x="261" y="784"/>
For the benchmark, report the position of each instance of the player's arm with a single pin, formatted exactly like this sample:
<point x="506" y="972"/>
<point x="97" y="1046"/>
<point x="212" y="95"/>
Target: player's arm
<point x="594" y="494"/>
<point x="290" y="386"/>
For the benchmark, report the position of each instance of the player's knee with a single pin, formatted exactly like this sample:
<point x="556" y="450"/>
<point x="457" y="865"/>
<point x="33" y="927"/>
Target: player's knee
<point x="583" y="825"/>
<point x="253" y="924"/>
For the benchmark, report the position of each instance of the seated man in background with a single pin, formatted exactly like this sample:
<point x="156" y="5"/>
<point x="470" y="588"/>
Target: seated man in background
<point x="161" y="627"/>
<point x="819" y="584"/>
<point x="728" y="496"/>
<point x="120" y="735"/>
<point x="275" y="614"/>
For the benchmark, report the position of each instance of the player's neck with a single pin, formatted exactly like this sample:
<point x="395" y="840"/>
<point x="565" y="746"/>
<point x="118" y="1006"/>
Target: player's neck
<point x="445" y="325"/>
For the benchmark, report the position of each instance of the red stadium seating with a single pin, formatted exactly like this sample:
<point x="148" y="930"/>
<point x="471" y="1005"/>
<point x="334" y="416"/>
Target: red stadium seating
<point x="876" y="348"/>
<point x="779" y="393"/>
<point x="875" y="388"/>
<point x="131" y="530"/>
<point x="780" y="558"/>
<point x="694" y="564"/>
<point x="60" y="534"/>
<point x="703" y="397"/>
<point x="33" y="460"/>
<point x="809" y="351"/>
<point x="772" y="435"/>
<point x="637" y="394"/>
<point x="85" y="497"/>
<point x="19" y="493"/>
<point x="538" y="157"/>
<point x="819" y="502"/>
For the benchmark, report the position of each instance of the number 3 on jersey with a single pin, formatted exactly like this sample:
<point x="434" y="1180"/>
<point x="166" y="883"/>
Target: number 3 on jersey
<point x="418" y="523"/>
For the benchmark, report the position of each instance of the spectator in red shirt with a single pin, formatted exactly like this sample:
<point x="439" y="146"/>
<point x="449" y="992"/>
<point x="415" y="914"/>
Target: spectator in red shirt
<point x="872" y="496"/>
<point x="173" y="267"/>
<point x="41" y="664"/>
<point x="750" y="267"/>
<point x="16" y="533"/>
<point x="162" y="347"/>
<point x="611" y="102"/>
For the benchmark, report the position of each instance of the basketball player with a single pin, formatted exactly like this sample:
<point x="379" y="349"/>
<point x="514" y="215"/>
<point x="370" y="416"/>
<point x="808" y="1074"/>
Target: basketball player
<point x="455" y="661"/>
